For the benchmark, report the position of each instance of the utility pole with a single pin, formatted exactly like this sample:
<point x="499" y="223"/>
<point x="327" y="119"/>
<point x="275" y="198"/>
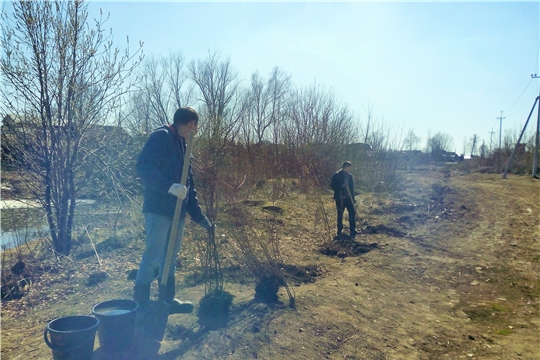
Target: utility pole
<point x="536" y="142"/>
<point x="536" y="145"/>
<point x="491" y="140"/>
<point x="500" y="129"/>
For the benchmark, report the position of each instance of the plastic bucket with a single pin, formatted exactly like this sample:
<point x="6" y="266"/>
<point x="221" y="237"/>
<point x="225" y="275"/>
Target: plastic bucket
<point x="116" y="323"/>
<point x="71" y="337"/>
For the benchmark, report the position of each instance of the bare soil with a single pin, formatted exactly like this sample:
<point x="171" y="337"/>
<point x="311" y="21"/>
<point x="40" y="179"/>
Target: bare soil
<point x="448" y="267"/>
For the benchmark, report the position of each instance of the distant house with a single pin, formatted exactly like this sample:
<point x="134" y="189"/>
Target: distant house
<point x="411" y="152"/>
<point x="450" y="156"/>
<point x="521" y="148"/>
<point x="411" y="155"/>
<point x="107" y="132"/>
<point x="96" y="136"/>
<point x="358" y="148"/>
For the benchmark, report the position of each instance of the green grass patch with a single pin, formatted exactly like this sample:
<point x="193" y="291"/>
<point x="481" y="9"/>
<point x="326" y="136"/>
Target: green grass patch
<point x="504" y="331"/>
<point x="497" y="307"/>
<point x="485" y="312"/>
<point x="479" y="313"/>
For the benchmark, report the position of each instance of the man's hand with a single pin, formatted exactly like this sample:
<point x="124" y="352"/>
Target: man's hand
<point x="208" y="225"/>
<point x="178" y="190"/>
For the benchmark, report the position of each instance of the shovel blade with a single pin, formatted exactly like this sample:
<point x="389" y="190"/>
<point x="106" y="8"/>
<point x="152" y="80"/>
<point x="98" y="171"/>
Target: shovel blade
<point x="156" y="319"/>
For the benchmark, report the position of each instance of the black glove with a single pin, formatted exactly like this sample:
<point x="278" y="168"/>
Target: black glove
<point x="208" y="225"/>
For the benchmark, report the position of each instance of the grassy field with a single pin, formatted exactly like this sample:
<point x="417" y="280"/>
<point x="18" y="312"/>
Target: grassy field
<point x="446" y="267"/>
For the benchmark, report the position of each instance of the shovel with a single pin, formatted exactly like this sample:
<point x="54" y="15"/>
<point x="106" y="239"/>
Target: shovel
<point x="157" y="322"/>
<point x="351" y="197"/>
<point x="352" y="200"/>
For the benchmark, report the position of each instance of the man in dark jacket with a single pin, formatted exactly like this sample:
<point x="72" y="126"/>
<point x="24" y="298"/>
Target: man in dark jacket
<point x="343" y="186"/>
<point x="160" y="168"/>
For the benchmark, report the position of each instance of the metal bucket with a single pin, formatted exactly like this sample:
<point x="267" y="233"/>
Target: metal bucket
<point x="116" y="323"/>
<point x="71" y="337"/>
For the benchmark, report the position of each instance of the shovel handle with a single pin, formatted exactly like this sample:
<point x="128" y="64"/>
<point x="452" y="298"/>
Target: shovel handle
<point x="351" y="197"/>
<point x="173" y="238"/>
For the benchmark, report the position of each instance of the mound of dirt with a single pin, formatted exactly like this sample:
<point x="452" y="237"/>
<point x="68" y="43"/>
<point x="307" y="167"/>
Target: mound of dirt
<point x="107" y="245"/>
<point x="273" y="208"/>
<point x="96" y="278"/>
<point x="383" y="229"/>
<point x="253" y="202"/>
<point x="301" y="274"/>
<point x="343" y="248"/>
<point x="403" y="208"/>
<point x="438" y="194"/>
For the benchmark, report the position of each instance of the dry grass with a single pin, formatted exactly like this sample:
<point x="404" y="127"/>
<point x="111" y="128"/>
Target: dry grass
<point x="463" y="281"/>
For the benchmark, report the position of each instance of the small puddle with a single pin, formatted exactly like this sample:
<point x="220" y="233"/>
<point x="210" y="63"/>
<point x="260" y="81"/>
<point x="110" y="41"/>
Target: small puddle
<point x="24" y="221"/>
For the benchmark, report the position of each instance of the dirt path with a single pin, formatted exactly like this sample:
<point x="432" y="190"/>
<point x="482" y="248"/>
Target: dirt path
<point x="455" y="273"/>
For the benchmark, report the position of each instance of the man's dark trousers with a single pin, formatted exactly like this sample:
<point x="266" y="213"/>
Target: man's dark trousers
<point x="341" y="205"/>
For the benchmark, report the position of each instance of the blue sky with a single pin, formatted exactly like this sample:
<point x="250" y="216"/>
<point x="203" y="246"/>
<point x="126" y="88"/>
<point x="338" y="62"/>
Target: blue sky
<point x="430" y="66"/>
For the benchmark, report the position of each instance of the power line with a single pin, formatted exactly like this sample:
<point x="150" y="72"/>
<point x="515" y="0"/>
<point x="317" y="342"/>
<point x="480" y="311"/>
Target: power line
<point x="519" y="97"/>
<point x="527" y="101"/>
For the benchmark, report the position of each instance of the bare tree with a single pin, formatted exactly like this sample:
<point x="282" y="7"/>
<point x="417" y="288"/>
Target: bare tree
<point x="367" y="128"/>
<point x="264" y="102"/>
<point x="474" y="143"/>
<point x="484" y="151"/>
<point x="411" y="141"/>
<point x="438" y="144"/>
<point x="509" y="140"/>
<point x="316" y="128"/>
<point x="163" y="87"/>
<point x="181" y="89"/>
<point x="254" y="104"/>
<point x="278" y="88"/>
<point x="60" y="78"/>
<point x="263" y="106"/>
<point x="152" y="87"/>
<point x="316" y="117"/>
<point x="138" y="114"/>
<point x="217" y="85"/>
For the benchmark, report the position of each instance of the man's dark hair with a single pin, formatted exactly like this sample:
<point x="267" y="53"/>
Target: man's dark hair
<point x="346" y="164"/>
<point x="184" y="115"/>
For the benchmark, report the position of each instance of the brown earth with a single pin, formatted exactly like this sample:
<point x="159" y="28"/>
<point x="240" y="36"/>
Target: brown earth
<point x="451" y="270"/>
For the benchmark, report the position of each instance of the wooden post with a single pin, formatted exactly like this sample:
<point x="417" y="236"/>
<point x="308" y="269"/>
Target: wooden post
<point x="176" y="236"/>
<point x="536" y="144"/>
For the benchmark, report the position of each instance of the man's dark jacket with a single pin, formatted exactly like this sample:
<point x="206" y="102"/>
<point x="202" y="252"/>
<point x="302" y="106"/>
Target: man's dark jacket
<point x="159" y="166"/>
<point x="339" y="187"/>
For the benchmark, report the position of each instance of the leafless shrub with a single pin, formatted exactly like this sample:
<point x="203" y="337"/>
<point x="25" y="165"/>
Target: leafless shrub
<point x="322" y="221"/>
<point x="216" y="88"/>
<point x="259" y="254"/>
<point x="18" y="263"/>
<point x="376" y="160"/>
